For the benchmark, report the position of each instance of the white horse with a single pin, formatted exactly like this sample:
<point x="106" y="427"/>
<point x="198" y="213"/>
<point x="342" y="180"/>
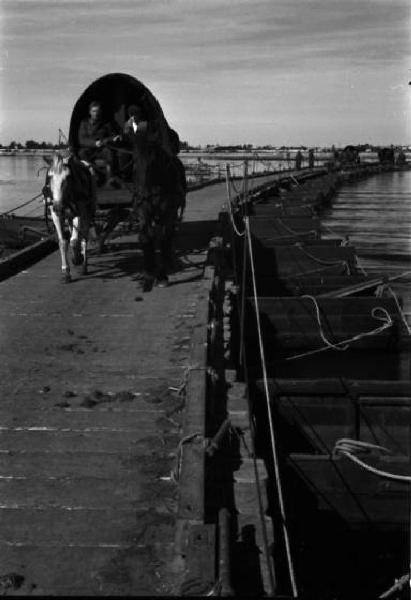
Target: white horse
<point x="70" y="191"/>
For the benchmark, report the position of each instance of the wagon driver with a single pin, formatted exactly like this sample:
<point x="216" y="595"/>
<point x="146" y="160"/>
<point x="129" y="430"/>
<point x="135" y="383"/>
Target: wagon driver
<point x="94" y="135"/>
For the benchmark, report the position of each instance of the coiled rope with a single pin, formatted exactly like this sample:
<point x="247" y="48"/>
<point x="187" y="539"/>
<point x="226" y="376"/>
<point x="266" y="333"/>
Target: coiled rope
<point x="348" y="447"/>
<point x="345" y="344"/>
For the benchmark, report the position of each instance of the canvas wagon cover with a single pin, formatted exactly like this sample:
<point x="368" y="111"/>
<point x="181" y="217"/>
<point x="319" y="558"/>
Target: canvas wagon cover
<point x="117" y="91"/>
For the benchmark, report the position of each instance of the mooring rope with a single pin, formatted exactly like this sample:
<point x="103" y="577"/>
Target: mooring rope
<point x="397" y="302"/>
<point x="322" y="261"/>
<point x="399" y="585"/>
<point x="359" y="265"/>
<point x="293" y="231"/>
<point x="288" y="237"/>
<point x="229" y="202"/>
<point x="175" y="473"/>
<point x="347" y="447"/>
<point x="270" y="416"/>
<point x="345" y="344"/>
<point x="7" y="212"/>
<point x="244" y="269"/>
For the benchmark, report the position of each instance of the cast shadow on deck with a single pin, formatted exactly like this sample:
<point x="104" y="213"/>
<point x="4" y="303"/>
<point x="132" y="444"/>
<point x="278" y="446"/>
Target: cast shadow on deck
<point x="123" y="257"/>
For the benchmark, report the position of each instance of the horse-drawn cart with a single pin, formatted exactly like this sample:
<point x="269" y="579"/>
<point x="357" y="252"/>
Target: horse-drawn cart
<point x="149" y="186"/>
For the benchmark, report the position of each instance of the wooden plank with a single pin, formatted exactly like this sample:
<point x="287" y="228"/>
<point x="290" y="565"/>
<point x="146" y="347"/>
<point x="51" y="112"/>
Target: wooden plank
<point x="79" y="420"/>
<point x="59" y="440"/>
<point x="191" y="484"/>
<point x="296" y="328"/>
<point x="262" y="212"/>
<point x="258" y="224"/>
<point x="290" y="261"/>
<point x="280" y="341"/>
<point x="34" y="464"/>
<point x="360" y="286"/>
<point x="271" y="286"/>
<point x="330" y="280"/>
<point x="359" y="363"/>
<point x="87" y="492"/>
<point x="317" y="423"/>
<point x="356" y="495"/>
<point x="82" y="528"/>
<point x="106" y="571"/>
<point x="200" y="551"/>
<point x="293" y="306"/>
<point x="337" y="386"/>
<point x="284" y="255"/>
<point x="282" y="239"/>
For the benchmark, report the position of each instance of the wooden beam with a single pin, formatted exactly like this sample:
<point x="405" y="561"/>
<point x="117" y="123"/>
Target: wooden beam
<point x="355" y="495"/>
<point x="362" y="286"/>
<point x="338" y="387"/>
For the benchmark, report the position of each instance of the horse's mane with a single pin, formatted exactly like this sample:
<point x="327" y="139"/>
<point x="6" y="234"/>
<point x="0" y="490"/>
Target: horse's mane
<point x="57" y="164"/>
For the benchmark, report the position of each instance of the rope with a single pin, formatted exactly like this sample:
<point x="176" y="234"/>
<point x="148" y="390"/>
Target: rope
<point x="230" y="207"/>
<point x="30" y="212"/>
<point x="386" y="319"/>
<point x="398" y="586"/>
<point x="329" y="229"/>
<point x="270" y="417"/>
<point x="402" y="315"/>
<point x="236" y="190"/>
<point x="175" y="473"/>
<point x="324" y="262"/>
<point x="244" y="270"/>
<point x="21" y="205"/>
<point x="293" y="231"/>
<point x="346" y="447"/>
<point x="359" y="265"/>
<point x="287" y="237"/>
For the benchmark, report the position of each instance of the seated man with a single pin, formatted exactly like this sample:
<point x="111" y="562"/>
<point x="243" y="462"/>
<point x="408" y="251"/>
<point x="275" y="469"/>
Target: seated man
<point x="94" y="135"/>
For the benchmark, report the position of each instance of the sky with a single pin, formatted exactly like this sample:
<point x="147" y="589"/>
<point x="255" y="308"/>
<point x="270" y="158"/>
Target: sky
<point x="278" y="72"/>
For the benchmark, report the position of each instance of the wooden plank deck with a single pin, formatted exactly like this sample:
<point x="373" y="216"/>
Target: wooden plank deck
<point x="89" y="424"/>
<point x="90" y="421"/>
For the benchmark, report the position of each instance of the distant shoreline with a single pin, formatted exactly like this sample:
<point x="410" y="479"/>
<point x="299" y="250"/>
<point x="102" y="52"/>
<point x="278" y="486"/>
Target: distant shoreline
<point x="24" y="152"/>
<point x="194" y="154"/>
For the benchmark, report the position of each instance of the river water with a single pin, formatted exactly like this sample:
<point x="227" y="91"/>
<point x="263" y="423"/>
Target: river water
<point x="376" y="215"/>
<point x="19" y="182"/>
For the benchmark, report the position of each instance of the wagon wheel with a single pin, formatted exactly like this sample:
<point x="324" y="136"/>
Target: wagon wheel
<point x="115" y="215"/>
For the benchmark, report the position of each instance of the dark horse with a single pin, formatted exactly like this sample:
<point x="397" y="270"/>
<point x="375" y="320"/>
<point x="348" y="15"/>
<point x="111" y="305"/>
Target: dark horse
<point x="160" y="187"/>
